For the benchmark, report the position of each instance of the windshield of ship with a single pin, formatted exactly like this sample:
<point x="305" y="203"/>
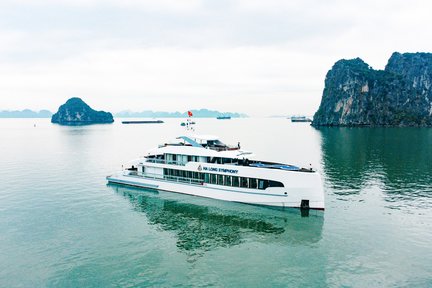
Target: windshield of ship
<point x="215" y="143"/>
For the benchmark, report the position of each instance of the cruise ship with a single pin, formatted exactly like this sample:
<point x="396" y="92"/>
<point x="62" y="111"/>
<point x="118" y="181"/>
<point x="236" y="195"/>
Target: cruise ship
<point x="204" y="166"/>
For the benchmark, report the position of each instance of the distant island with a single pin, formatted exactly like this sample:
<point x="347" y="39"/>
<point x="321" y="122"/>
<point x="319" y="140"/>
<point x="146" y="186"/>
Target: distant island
<point x="357" y="95"/>
<point x="201" y="113"/>
<point x="25" y="114"/>
<point x="76" y="112"/>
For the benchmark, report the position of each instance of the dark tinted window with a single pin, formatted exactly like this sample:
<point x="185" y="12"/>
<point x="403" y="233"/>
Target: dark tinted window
<point x="213" y="178"/>
<point x="220" y="180"/>
<point x="227" y="180"/>
<point x="235" y="181"/>
<point x="253" y="183"/>
<point x="275" y="184"/>
<point x="243" y="182"/>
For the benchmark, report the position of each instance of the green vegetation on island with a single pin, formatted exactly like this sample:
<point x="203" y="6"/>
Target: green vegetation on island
<point x="76" y="112"/>
<point x="357" y="95"/>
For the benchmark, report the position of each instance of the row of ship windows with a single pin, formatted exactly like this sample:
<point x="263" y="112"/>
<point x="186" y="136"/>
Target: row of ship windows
<point x="225" y="180"/>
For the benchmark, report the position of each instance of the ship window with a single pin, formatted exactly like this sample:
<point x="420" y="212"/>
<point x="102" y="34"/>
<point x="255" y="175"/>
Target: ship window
<point x="174" y="157"/>
<point x="243" y="182"/>
<point x="143" y="169"/>
<point x="235" y="181"/>
<point x="228" y="180"/>
<point x="189" y="158"/>
<point x="275" y="184"/>
<point x="206" y="177"/>
<point x="213" y="178"/>
<point x="262" y="184"/>
<point x="220" y="180"/>
<point x="252" y="183"/>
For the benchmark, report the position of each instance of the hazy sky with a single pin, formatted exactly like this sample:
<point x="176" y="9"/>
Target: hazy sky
<point x="257" y="57"/>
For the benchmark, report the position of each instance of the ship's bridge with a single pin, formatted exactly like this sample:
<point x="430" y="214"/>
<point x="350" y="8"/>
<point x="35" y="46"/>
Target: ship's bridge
<point x="207" y="141"/>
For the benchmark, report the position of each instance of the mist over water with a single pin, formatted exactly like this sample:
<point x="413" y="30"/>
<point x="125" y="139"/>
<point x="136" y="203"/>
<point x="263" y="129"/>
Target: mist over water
<point x="62" y="225"/>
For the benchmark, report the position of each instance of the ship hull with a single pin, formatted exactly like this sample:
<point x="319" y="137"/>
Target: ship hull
<point x="287" y="196"/>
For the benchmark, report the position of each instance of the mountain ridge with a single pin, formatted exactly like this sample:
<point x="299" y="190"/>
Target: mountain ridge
<point x="357" y="95"/>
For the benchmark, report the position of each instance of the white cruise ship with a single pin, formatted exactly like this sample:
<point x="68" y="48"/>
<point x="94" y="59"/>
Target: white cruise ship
<point x="204" y="166"/>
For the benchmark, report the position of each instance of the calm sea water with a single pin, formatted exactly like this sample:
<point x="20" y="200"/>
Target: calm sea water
<point x="61" y="225"/>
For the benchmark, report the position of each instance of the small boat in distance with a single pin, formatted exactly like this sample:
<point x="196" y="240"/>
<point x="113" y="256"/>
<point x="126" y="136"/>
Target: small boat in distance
<point x="202" y="165"/>
<point x="300" y="119"/>
<point x="223" y="117"/>
<point x="143" y="122"/>
<point x="187" y="123"/>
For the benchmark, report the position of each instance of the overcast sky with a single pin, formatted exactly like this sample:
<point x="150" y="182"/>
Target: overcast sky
<point x="262" y="58"/>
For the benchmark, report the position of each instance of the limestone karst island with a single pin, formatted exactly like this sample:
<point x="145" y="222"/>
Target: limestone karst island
<point x="357" y="95"/>
<point x="76" y="112"/>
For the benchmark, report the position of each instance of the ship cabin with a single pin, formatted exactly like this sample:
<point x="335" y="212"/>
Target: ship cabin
<point x="213" y="151"/>
<point x="205" y="149"/>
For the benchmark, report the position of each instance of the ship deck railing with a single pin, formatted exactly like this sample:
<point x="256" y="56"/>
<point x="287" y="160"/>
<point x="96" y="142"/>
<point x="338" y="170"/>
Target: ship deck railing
<point x="164" y="161"/>
<point x="240" y="163"/>
<point x="223" y="148"/>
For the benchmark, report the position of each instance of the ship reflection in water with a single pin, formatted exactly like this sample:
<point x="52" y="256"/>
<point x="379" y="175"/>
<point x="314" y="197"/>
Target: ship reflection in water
<point x="201" y="224"/>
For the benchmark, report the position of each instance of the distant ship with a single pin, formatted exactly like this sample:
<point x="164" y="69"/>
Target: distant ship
<point x="187" y="123"/>
<point x="204" y="166"/>
<point x="143" y="122"/>
<point x="300" y="119"/>
<point x="223" y="117"/>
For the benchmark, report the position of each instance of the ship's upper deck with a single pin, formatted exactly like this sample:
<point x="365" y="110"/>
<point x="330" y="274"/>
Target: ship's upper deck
<point x="209" y="149"/>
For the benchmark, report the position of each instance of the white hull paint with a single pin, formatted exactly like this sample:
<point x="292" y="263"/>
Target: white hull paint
<point x="309" y="187"/>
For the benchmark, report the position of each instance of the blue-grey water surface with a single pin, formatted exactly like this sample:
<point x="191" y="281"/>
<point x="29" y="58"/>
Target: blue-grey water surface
<point x="61" y="225"/>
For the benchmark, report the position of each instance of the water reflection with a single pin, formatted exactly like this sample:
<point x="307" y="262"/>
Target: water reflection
<point x="399" y="160"/>
<point x="201" y="224"/>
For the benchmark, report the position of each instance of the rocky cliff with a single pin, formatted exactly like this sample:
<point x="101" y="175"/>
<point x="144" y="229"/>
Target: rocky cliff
<point x="357" y="95"/>
<point x="76" y="112"/>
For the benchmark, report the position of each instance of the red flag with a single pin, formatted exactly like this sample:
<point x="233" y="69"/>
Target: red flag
<point x="190" y="114"/>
